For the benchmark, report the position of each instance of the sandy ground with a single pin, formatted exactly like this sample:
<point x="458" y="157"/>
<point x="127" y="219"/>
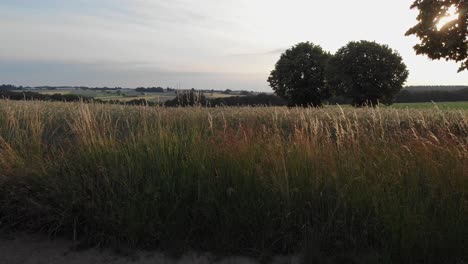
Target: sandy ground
<point x="35" y="249"/>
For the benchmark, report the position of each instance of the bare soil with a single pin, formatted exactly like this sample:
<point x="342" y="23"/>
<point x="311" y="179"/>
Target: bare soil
<point x="21" y="248"/>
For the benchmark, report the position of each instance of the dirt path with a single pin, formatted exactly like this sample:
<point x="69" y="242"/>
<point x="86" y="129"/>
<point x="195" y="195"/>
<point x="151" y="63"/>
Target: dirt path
<point x="35" y="249"/>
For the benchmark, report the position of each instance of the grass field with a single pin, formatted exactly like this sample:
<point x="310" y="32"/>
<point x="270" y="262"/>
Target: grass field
<point x="387" y="183"/>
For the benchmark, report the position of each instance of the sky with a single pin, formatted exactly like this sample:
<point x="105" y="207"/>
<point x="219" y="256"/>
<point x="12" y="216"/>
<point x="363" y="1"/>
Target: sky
<point x="204" y="44"/>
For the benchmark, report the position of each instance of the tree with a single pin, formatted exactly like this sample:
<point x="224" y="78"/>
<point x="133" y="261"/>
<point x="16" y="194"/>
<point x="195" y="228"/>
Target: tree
<point x="299" y="75"/>
<point x="441" y="39"/>
<point x="187" y="98"/>
<point x="367" y="72"/>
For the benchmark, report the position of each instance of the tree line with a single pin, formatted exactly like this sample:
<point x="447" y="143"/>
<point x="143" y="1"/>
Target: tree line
<point x="28" y="95"/>
<point x="150" y="90"/>
<point x="432" y="96"/>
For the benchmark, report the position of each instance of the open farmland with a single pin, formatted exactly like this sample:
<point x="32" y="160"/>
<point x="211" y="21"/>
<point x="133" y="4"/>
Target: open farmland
<point x="126" y="95"/>
<point x="429" y="105"/>
<point x="107" y="95"/>
<point x="261" y="181"/>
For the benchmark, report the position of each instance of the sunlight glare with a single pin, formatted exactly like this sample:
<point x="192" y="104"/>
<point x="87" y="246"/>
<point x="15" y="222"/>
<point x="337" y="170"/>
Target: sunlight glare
<point x="451" y="16"/>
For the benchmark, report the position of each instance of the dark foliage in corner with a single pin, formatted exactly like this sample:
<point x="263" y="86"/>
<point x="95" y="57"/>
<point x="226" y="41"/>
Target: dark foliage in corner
<point x="449" y="42"/>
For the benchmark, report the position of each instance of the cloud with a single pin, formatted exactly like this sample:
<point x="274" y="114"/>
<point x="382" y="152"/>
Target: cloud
<point x="277" y="51"/>
<point x="261" y="53"/>
<point x="173" y="32"/>
<point x="112" y="74"/>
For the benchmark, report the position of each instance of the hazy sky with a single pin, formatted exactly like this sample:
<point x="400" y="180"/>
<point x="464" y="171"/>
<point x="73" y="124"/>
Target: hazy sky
<point x="206" y="44"/>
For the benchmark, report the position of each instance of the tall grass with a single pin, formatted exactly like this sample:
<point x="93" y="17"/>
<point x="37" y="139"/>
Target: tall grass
<point x="391" y="183"/>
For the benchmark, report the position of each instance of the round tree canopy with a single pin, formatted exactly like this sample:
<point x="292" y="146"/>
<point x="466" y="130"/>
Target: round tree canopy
<point x="367" y="72"/>
<point x="299" y="75"/>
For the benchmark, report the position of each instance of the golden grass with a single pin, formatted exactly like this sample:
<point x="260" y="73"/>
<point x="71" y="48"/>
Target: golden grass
<point x="240" y="180"/>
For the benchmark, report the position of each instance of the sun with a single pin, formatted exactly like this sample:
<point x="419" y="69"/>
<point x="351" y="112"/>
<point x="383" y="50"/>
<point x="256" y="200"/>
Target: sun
<point x="451" y="16"/>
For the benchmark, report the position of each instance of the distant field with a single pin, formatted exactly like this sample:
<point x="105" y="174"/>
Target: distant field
<point x="127" y="95"/>
<point x="440" y="105"/>
<point x="422" y="106"/>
